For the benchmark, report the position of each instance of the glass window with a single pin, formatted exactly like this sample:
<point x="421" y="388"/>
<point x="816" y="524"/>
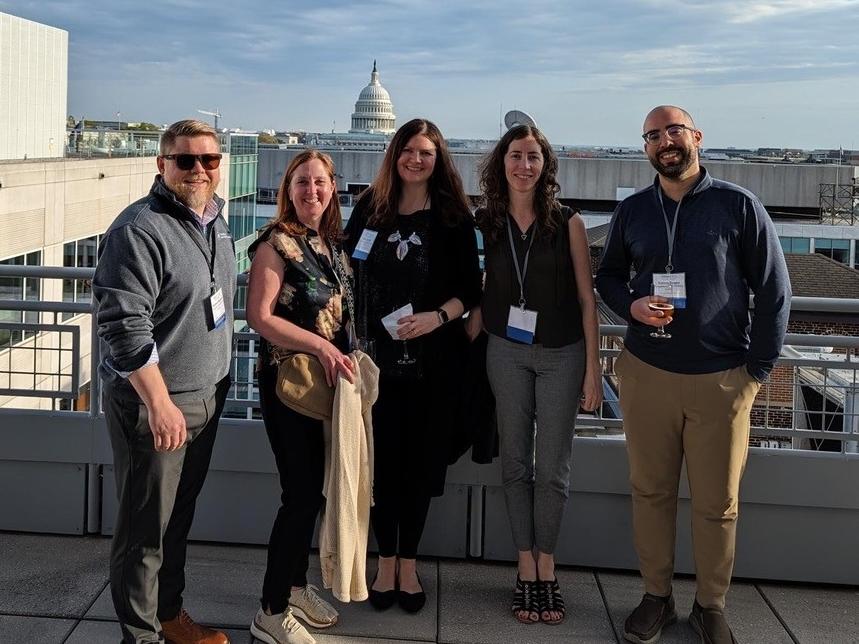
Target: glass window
<point x="837" y="249"/>
<point x="796" y="245"/>
<point x="19" y="288"/>
<point x="79" y="254"/>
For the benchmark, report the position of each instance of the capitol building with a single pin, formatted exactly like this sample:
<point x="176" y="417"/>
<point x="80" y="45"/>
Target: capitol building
<point x="373" y="122"/>
<point x="374" y="112"/>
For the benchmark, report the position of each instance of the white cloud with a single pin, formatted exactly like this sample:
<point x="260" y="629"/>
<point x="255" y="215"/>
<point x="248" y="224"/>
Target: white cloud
<point x="749" y="11"/>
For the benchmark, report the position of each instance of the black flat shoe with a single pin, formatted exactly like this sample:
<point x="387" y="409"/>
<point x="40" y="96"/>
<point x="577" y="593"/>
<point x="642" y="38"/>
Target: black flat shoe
<point x="412" y="602"/>
<point x="382" y="599"/>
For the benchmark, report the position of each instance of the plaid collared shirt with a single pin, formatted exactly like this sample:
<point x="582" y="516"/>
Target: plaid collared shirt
<point x="209" y="214"/>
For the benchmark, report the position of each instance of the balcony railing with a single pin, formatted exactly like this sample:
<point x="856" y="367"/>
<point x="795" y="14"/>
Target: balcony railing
<point x="110" y="143"/>
<point x="810" y="402"/>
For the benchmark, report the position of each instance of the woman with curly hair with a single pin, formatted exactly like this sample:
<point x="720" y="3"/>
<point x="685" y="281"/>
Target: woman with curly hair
<point x="299" y="283"/>
<point x="416" y="247"/>
<point x="543" y="354"/>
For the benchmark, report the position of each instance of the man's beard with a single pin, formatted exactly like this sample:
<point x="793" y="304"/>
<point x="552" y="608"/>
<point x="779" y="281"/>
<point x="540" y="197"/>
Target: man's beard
<point x="195" y="199"/>
<point x="687" y="158"/>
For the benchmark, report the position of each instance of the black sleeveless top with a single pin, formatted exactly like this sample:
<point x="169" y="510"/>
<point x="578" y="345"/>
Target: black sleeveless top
<point x="550" y="284"/>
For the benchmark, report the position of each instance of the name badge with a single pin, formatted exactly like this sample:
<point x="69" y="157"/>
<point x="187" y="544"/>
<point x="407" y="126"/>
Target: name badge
<point x="672" y="286"/>
<point x="217" y="312"/>
<point x="365" y="243"/>
<point x="521" y="324"/>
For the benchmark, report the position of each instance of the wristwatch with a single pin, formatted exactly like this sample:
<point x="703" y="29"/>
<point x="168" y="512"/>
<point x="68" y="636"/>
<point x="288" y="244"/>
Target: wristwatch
<point x="442" y="316"/>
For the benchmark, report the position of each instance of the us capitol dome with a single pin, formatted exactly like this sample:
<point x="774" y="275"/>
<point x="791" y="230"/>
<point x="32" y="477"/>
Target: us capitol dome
<point x="374" y="112"/>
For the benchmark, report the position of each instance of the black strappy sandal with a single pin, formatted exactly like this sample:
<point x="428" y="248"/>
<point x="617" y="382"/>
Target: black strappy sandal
<point x="525" y="601"/>
<point x="550" y="600"/>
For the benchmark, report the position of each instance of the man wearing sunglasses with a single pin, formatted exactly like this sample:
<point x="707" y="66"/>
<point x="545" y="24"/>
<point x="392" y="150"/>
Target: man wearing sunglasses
<point x="164" y="289"/>
<point x="703" y="244"/>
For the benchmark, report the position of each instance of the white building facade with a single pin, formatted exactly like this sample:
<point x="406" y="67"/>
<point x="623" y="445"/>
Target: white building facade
<point x="34" y="61"/>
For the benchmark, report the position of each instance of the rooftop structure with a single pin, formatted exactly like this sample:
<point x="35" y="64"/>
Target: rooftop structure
<point x="815" y="275"/>
<point x="33" y="86"/>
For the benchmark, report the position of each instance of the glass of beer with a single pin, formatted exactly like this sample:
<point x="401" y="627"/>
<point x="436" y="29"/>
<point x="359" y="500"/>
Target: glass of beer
<point x="657" y="302"/>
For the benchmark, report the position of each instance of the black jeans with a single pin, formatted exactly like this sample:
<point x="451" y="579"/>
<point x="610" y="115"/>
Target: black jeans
<point x="157" y="493"/>
<point x="299" y="451"/>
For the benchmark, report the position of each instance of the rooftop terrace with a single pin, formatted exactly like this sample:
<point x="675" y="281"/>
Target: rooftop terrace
<point x="53" y="590"/>
<point x="798" y="521"/>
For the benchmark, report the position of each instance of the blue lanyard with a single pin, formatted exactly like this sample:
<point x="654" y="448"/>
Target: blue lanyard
<point x="670" y="229"/>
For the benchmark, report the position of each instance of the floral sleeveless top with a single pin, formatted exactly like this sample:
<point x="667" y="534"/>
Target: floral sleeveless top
<point x="311" y="296"/>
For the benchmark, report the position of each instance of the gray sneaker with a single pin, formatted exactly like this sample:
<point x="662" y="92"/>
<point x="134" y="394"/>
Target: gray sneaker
<point x="280" y="628"/>
<point x="310" y="607"/>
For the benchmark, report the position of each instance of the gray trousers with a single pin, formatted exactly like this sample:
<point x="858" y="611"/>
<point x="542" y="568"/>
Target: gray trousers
<point x="537" y="391"/>
<point x="157" y="494"/>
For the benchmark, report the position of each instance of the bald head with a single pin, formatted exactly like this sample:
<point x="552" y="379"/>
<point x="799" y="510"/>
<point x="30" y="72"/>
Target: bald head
<point x="678" y="113"/>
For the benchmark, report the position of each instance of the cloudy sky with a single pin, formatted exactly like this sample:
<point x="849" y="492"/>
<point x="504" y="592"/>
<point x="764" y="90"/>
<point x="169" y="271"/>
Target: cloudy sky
<point x="781" y="73"/>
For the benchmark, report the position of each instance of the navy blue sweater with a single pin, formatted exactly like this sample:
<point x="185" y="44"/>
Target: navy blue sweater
<point x="727" y="245"/>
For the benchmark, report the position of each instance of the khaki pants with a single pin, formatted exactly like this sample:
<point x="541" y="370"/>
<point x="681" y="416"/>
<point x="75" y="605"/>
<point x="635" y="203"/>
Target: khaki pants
<point x="704" y="417"/>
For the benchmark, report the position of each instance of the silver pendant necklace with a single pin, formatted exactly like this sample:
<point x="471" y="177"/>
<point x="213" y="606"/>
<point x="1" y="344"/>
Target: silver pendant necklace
<point x="403" y="244"/>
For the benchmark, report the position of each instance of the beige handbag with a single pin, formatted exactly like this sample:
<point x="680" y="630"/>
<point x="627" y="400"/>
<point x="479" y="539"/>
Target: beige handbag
<point x="302" y="387"/>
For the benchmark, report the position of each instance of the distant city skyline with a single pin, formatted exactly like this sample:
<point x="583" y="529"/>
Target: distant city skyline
<point x="775" y="73"/>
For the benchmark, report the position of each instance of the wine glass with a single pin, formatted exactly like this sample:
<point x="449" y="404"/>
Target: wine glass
<point x="657" y="293"/>
<point x="368" y="346"/>
<point x="406" y="359"/>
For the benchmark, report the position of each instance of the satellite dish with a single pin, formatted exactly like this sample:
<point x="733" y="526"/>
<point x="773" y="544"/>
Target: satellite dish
<point x="518" y="117"/>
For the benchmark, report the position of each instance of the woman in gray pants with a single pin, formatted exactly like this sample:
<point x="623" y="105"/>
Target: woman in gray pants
<point x="543" y="356"/>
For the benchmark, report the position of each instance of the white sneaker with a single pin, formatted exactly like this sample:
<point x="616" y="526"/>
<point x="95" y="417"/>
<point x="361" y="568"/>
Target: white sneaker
<point x="280" y="628"/>
<point x="309" y="606"/>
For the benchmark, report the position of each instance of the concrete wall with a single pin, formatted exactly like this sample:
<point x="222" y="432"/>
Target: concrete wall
<point x="777" y="185"/>
<point x="33" y="89"/>
<point x="56" y="472"/>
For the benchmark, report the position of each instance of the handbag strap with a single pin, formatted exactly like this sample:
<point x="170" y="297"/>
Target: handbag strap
<point x="346" y="285"/>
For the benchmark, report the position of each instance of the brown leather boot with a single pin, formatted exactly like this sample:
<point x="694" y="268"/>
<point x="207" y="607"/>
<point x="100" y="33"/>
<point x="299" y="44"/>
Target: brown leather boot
<point x="184" y="630"/>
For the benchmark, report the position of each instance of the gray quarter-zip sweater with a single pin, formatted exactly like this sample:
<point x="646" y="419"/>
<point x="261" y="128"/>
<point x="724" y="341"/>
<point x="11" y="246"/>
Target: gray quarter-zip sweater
<point x="151" y="287"/>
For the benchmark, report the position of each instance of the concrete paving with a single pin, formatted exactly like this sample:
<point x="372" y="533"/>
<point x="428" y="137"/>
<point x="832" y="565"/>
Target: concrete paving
<point x="53" y="590"/>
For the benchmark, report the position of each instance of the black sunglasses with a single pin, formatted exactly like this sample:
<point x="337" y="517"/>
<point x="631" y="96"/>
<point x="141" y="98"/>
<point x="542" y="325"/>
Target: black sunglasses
<point x="188" y="161"/>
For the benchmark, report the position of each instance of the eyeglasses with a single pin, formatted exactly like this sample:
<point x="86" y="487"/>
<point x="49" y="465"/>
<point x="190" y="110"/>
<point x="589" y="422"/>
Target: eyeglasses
<point x="188" y="161"/>
<point x="673" y="131"/>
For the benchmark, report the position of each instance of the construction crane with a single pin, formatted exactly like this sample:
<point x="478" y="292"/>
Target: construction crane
<point x="216" y="114"/>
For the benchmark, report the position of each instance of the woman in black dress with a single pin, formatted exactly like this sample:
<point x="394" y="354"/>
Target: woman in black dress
<point x="416" y="245"/>
<point x="298" y="280"/>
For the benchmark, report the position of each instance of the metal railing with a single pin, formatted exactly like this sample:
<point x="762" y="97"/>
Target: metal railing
<point x="110" y="143"/>
<point x="810" y="402"/>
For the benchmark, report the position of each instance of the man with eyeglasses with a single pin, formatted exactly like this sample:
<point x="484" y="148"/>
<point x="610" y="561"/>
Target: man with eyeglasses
<point x="164" y="289"/>
<point x="703" y="244"/>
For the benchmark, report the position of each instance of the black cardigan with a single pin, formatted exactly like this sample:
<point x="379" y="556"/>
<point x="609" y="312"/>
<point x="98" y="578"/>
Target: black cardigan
<point x="454" y="271"/>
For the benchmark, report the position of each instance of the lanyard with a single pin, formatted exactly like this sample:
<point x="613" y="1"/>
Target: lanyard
<point x="670" y="229"/>
<point x="520" y="274"/>
<point x="210" y="255"/>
